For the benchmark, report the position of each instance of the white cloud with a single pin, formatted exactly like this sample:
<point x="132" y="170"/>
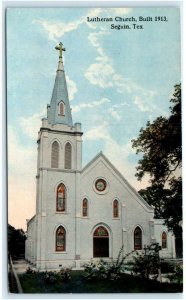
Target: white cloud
<point x="98" y="132"/>
<point x="56" y="30"/>
<point x="102" y="74"/>
<point x="30" y="125"/>
<point x="122" y="84"/>
<point x="72" y="88"/>
<point x="119" y="105"/>
<point x="116" y="153"/>
<point x="93" y="37"/>
<point x="118" y="11"/>
<point x="141" y="104"/>
<point x="114" y="113"/>
<point x="112" y="148"/>
<point x="99" y="74"/>
<point x="93" y="104"/>
<point x="141" y="97"/>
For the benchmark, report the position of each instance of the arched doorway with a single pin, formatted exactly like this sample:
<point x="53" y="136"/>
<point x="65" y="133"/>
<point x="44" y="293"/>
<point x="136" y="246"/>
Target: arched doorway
<point x="101" y="242"/>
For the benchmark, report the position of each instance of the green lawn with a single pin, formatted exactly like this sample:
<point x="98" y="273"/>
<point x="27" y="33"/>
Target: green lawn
<point x="34" y="283"/>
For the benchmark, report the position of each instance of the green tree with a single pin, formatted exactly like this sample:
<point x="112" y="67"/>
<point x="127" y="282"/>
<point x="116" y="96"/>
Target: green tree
<point x="160" y="144"/>
<point x="167" y="203"/>
<point x="161" y="149"/>
<point x="156" y="195"/>
<point x="16" y="241"/>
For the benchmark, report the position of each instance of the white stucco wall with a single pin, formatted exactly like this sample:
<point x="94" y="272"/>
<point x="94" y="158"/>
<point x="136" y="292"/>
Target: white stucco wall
<point x="132" y="212"/>
<point x="30" y="243"/>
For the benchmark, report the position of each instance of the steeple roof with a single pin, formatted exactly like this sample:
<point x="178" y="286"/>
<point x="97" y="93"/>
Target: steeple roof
<point x="59" y="111"/>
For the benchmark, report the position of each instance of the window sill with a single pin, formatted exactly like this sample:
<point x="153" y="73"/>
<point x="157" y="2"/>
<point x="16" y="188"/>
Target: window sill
<point x="115" y="218"/>
<point x="61" y="252"/>
<point x="61" y="212"/>
<point x="84" y="217"/>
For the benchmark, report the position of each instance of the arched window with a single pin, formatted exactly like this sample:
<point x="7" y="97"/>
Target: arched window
<point x="61" y="198"/>
<point x="100" y="232"/>
<point x="137" y="239"/>
<point x="115" y="209"/>
<point x="85" y="207"/>
<point x="55" y="155"/>
<point x="164" y="240"/>
<point x="68" y="156"/>
<point x="61" y="109"/>
<point x="60" y="239"/>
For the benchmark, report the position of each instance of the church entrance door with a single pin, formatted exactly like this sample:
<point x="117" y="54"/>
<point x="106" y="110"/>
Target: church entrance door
<point x="101" y="242"/>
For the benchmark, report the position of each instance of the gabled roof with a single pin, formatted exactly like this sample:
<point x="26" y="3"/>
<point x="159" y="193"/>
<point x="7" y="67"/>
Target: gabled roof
<point x="60" y="93"/>
<point x="101" y="155"/>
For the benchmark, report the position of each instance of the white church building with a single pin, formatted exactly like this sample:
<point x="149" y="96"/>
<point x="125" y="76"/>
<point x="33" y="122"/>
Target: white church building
<point x="83" y="213"/>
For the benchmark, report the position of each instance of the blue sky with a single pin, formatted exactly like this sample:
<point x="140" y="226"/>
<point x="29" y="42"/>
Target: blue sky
<point x="117" y="81"/>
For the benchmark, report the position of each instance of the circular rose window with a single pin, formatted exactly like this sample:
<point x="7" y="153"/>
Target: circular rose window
<point x="100" y="185"/>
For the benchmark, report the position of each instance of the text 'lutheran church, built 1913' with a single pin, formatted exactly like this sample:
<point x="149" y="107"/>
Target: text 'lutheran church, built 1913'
<point x="85" y="213"/>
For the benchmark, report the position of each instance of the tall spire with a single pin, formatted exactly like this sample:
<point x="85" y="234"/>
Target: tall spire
<point x="59" y="111"/>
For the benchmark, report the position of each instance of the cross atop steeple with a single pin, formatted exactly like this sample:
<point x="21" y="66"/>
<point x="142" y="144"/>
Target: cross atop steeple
<point x="61" y="49"/>
<point x="59" y="111"/>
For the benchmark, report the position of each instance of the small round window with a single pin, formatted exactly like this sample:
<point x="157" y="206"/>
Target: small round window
<point x="100" y="185"/>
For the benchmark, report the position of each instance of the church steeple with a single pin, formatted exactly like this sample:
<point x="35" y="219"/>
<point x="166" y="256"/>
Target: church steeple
<point x="59" y="111"/>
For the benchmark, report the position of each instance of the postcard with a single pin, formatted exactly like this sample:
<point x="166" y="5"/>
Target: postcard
<point x="94" y="149"/>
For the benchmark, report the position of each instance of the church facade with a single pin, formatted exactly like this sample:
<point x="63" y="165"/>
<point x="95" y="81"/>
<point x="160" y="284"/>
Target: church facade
<point x="83" y="213"/>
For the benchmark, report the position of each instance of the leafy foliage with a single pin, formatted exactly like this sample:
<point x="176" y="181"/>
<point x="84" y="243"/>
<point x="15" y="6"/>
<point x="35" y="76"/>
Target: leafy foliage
<point x="160" y="143"/>
<point x="167" y="267"/>
<point x="65" y="274"/>
<point x="104" y="270"/>
<point x="157" y="196"/>
<point x="52" y="277"/>
<point x="35" y="283"/>
<point x="167" y="202"/>
<point x="177" y="276"/>
<point x="16" y="241"/>
<point x="172" y="212"/>
<point x="96" y="270"/>
<point x="147" y="262"/>
<point x="30" y="271"/>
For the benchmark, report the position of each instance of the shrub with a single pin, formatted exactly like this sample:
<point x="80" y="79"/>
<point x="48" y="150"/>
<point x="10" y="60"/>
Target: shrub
<point x="177" y="276"/>
<point x="53" y="276"/>
<point x="50" y="277"/>
<point x="30" y="271"/>
<point x="105" y="270"/>
<point x="147" y="262"/>
<point x="95" y="270"/>
<point x="65" y="274"/>
<point x="166" y="267"/>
